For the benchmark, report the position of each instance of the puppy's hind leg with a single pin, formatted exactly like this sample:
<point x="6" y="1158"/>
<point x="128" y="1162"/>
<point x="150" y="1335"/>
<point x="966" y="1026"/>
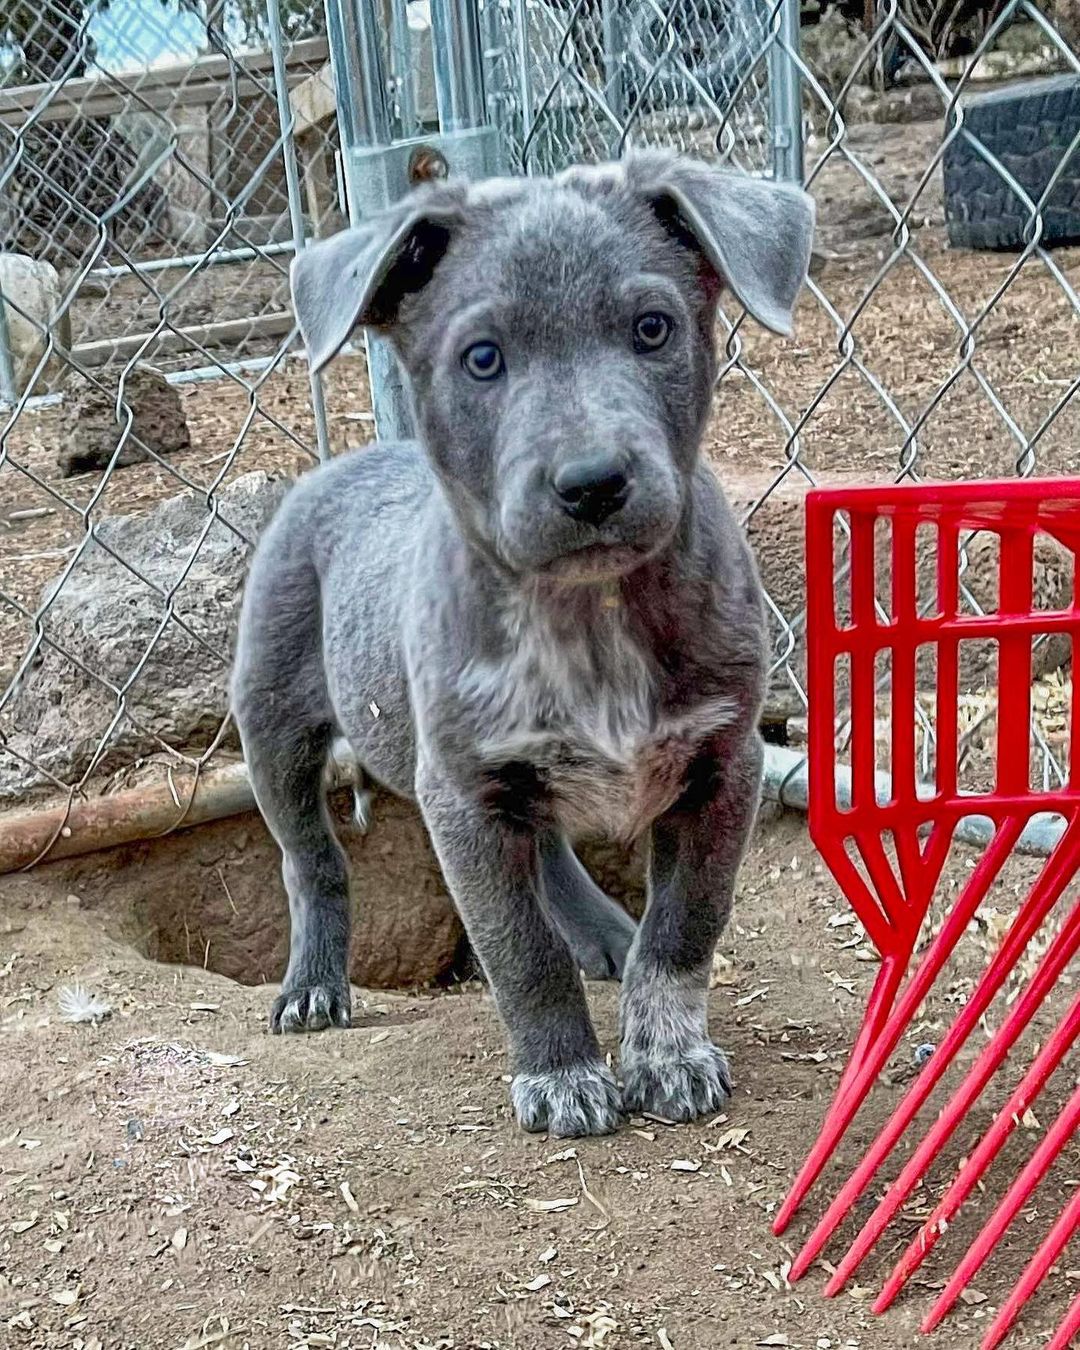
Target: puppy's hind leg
<point x="598" y="932"/>
<point x="282" y="708"/>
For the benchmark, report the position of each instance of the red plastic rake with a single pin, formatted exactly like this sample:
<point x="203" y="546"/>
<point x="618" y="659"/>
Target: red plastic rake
<point x="892" y="904"/>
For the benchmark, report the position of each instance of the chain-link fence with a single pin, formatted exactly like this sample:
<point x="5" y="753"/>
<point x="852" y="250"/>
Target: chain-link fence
<point x="579" y="82"/>
<point x="158" y="163"/>
<point x="155" y="177"/>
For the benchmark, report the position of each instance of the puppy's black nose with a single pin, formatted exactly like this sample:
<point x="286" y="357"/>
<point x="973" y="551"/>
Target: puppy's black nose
<point x="593" y="489"/>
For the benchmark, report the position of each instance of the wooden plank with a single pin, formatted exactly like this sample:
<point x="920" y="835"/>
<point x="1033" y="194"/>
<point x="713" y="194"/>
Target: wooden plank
<point x="103" y="351"/>
<point x="313" y="100"/>
<point x="200" y="81"/>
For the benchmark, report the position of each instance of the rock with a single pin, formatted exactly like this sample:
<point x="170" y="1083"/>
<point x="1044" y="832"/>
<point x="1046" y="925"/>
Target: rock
<point x="32" y="299"/>
<point x="106" y="615"/>
<point x="90" y="430"/>
<point x="1066" y="15"/>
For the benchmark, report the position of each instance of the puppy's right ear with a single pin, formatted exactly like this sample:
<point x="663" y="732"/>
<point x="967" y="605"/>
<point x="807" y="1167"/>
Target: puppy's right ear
<point x="358" y="278"/>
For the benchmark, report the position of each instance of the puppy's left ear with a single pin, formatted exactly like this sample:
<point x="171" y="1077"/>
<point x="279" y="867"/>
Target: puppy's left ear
<point x="755" y="234"/>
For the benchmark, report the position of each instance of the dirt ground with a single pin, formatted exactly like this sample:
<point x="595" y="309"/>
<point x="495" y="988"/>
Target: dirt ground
<point x="172" y="1176"/>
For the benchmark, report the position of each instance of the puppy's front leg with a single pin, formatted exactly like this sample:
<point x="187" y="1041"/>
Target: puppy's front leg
<point x="669" y="1065"/>
<point x="491" y="864"/>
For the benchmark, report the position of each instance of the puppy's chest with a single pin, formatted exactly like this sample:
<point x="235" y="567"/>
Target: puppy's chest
<point x="585" y="713"/>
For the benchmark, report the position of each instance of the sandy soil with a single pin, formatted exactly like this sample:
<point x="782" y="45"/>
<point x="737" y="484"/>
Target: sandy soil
<point x="173" y="1176"/>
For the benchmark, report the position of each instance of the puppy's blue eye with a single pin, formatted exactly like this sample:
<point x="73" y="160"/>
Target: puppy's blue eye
<point x="483" y="361"/>
<point x="651" y="331"/>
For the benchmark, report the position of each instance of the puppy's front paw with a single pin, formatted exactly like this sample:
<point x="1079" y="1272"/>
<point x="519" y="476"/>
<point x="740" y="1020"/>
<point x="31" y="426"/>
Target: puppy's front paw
<point x="311" y="1007"/>
<point x="681" y="1086"/>
<point x="579" y="1099"/>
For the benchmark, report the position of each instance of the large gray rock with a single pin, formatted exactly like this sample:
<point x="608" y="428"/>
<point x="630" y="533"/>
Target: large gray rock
<point x="143" y="629"/>
<point x="31" y="298"/>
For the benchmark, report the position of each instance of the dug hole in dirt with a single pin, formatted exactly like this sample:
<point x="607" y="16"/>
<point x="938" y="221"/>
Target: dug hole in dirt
<point x="173" y="1176"/>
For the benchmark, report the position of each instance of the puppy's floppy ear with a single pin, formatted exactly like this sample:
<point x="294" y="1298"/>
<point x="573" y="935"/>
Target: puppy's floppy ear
<point x="358" y="278"/>
<point x="755" y="234"/>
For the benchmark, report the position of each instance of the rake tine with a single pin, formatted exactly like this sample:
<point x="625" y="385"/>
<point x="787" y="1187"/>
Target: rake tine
<point x="1053" y="963"/>
<point x="843" y="1111"/>
<point x="1036" y="1270"/>
<point x="1048" y="1059"/>
<point x="1055" y="1139"/>
<point x="1070" y="1326"/>
<point x="1041" y="899"/>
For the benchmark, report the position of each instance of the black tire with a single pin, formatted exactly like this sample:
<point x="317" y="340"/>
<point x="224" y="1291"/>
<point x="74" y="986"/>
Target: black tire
<point x="1028" y="130"/>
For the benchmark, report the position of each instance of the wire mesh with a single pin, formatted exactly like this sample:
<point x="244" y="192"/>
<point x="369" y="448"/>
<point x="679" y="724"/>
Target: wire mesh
<point x="581" y="81"/>
<point x="157" y="164"/>
<point x="154" y="183"/>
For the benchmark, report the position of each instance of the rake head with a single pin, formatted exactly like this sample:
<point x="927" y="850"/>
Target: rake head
<point x="891" y="889"/>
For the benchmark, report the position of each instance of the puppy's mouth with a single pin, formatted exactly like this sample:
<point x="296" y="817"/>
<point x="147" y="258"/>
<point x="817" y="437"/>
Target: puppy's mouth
<point x="594" y="562"/>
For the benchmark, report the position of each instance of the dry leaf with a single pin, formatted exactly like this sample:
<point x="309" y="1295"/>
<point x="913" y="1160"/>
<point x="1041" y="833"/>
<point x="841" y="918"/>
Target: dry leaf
<point x="686" y="1165"/>
<point x="777" y="1338"/>
<point x="540" y="1282"/>
<point x="838" y="981"/>
<point x="65" y="1297"/>
<point x="222" y="1137"/>
<point x="24" y="1225"/>
<point x="179" y="1239"/>
<point x="549" y="1255"/>
<point x="550" y="1206"/>
<point x="973" y="1296"/>
<point x="348" y="1197"/>
<point x="220" y="1061"/>
<point x="662" y="1337"/>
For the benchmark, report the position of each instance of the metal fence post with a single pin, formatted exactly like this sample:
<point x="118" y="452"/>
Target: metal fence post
<point x="377" y="167"/>
<point x="364" y="124"/>
<point x="459" y="64"/>
<point x="785" y="92"/>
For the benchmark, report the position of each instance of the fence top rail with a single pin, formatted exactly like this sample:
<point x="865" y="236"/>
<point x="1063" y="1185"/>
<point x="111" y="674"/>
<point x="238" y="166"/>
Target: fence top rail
<point x="159" y="86"/>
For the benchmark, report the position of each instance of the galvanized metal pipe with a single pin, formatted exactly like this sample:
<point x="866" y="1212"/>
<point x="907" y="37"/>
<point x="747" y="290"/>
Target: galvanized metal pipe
<point x="352" y="29"/>
<point x="785" y="93"/>
<point x="459" y="69"/>
<point x="200" y="260"/>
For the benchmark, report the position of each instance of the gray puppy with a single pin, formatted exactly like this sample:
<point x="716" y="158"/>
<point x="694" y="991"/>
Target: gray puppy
<point x="542" y="621"/>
